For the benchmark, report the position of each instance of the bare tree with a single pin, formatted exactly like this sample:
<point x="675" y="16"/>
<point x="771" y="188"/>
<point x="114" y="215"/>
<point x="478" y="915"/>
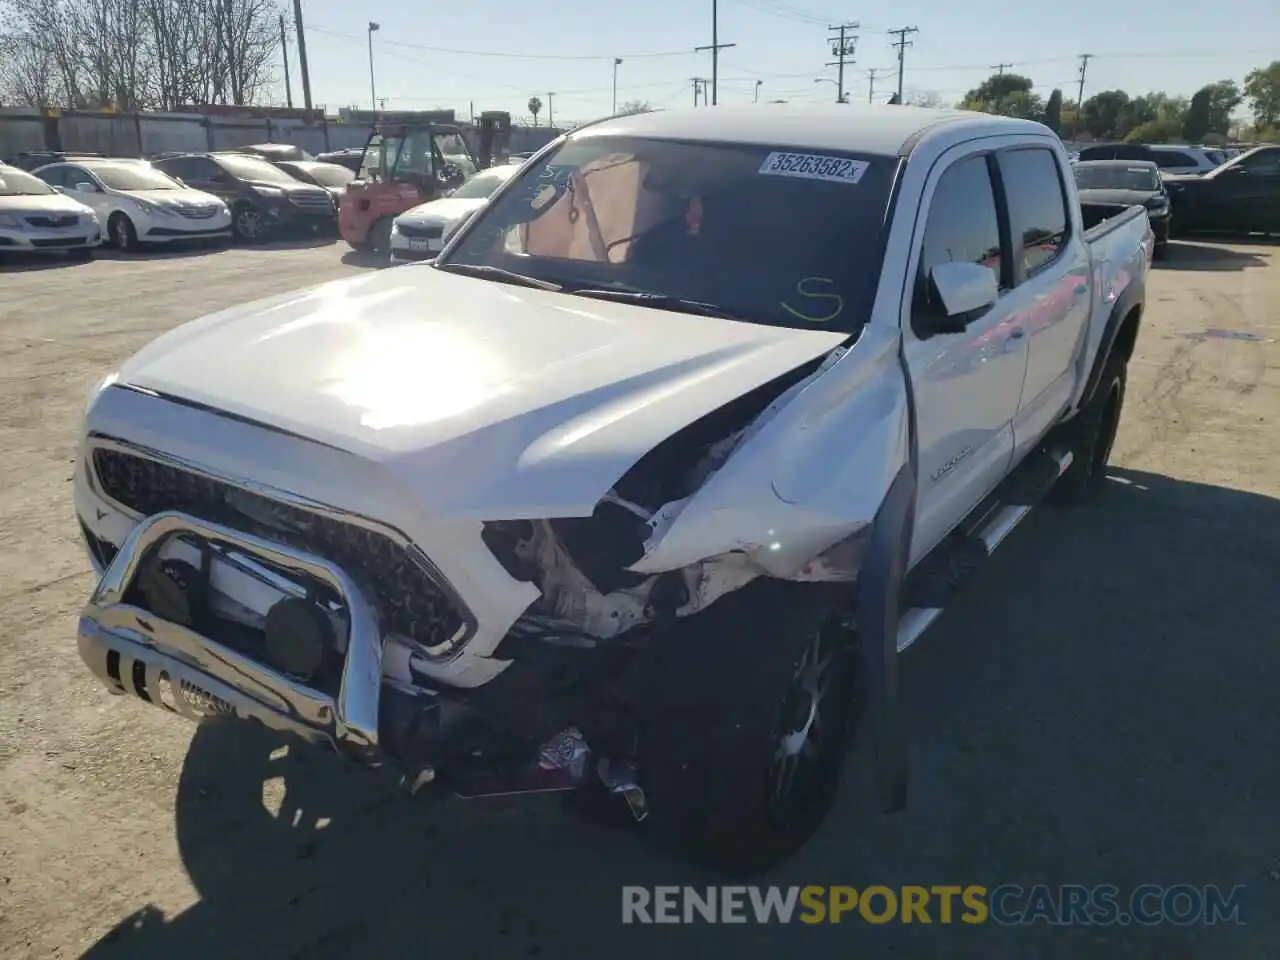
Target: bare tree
<point x="136" y="54"/>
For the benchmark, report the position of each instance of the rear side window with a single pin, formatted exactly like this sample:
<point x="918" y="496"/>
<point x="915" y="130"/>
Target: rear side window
<point x="1037" y="207"/>
<point x="1172" y="158"/>
<point x="1266" y="164"/>
<point x="962" y="226"/>
<point x="54" y="176"/>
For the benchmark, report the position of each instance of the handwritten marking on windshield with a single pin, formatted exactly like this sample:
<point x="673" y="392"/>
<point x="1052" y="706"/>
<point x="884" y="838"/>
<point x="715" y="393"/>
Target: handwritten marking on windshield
<point x="805" y="288"/>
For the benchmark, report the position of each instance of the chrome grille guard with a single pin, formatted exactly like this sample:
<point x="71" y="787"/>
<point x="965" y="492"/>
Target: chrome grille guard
<point x="131" y="650"/>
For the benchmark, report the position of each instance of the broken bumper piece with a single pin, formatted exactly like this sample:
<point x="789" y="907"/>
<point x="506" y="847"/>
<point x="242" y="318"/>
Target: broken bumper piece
<point x="172" y="666"/>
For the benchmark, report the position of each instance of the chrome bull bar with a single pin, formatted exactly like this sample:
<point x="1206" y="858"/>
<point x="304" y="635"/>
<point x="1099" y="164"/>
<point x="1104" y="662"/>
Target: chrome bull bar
<point x="131" y="650"/>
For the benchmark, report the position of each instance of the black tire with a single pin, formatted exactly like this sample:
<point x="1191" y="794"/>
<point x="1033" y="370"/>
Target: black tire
<point x="723" y="694"/>
<point x="124" y="235"/>
<point x="1090" y="435"/>
<point x="1162" y="250"/>
<point x="247" y="224"/>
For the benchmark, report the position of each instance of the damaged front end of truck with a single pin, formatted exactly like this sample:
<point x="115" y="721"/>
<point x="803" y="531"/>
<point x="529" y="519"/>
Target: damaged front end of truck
<point x="744" y="497"/>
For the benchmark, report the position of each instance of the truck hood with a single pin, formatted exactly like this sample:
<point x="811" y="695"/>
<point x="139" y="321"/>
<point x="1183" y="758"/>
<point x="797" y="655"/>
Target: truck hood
<point x="486" y="400"/>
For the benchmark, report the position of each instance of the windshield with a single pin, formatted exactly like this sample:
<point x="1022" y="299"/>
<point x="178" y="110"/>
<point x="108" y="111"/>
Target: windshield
<point x="769" y="236"/>
<point x="135" y="176"/>
<point x="1116" y="177"/>
<point x="251" y="168"/>
<point x="15" y="183"/>
<point x="325" y="174"/>
<point x="482" y="185"/>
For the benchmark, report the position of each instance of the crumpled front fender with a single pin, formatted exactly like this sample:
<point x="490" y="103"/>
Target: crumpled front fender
<point x="810" y="473"/>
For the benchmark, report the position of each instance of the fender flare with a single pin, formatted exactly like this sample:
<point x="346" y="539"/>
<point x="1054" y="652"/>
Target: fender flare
<point x="1133" y="297"/>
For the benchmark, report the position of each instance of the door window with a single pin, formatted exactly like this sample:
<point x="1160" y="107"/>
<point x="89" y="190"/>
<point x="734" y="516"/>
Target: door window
<point x="180" y="167"/>
<point x="54" y="176"/>
<point x="1038" y="221"/>
<point x="1263" y="164"/>
<point x="963" y="226"/>
<point x="1166" y="159"/>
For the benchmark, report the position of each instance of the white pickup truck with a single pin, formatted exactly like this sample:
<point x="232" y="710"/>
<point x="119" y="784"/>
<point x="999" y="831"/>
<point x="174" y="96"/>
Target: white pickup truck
<point x="644" y="483"/>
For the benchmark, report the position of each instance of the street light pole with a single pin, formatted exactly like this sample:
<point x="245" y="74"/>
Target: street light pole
<point x="373" y="93"/>
<point x="758" y="82"/>
<point x="616" y="62"/>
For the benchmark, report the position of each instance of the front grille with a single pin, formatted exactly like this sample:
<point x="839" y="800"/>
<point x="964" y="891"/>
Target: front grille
<point x="58" y="242"/>
<point x="67" y="220"/>
<point x="318" y="202"/>
<point x="193" y="212"/>
<point x="410" y="602"/>
<point x="418" y="231"/>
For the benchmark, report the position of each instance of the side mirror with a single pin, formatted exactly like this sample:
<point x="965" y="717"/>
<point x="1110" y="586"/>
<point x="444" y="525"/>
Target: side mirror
<point x="963" y="290"/>
<point x="84" y="186"/>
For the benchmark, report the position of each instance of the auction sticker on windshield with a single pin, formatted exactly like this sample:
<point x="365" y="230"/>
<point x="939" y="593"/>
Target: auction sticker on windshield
<point x="811" y="166"/>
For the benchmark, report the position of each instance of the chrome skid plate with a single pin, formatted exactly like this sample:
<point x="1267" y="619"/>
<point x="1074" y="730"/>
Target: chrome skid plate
<point x="131" y="650"/>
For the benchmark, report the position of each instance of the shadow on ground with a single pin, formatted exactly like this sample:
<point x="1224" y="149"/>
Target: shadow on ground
<point x="11" y="262"/>
<point x="365" y="258"/>
<point x="1099" y="709"/>
<point x="1184" y="255"/>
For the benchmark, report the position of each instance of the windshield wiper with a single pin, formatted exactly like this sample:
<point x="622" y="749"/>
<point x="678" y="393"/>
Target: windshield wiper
<point x="660" y="301"/>
<point x="485" y="272"/>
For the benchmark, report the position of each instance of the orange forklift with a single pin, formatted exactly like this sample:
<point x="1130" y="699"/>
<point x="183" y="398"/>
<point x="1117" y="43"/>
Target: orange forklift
<point x="407" y="162"/>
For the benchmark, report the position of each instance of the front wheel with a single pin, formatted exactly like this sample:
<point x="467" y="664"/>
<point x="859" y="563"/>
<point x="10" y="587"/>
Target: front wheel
<point x="247" y="224"/>
<point x="378" y="242"/>
<point x="1090" y="435"/>
<point x="123" y="233"/>
<point x="746" y="726"/>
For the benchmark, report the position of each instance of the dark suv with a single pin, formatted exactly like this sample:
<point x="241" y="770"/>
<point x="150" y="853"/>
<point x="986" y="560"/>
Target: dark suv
<point x="264" y="200"/>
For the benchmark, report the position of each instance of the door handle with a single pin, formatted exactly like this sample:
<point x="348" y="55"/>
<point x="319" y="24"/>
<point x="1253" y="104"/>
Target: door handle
<point x="1079" y="292"/>
<point x="1017" y="333"/>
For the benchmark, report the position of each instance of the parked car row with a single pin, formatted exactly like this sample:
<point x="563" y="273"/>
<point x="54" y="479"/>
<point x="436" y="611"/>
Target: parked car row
<point x="249" y="194"/>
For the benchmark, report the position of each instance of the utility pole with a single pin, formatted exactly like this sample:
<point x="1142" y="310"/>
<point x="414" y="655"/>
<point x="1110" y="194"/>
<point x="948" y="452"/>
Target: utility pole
<point x="373" y="93"/>
<point x="901" y="44"/>
<point x="1075" y="117"/>
<point x="302" y="55"/>
<point x="842" y="47"/>
<point x="284" y="52"/>
<point x="617" y="61"/>
<point x="551" y="113"/>
<point x="715" y="47"/>
<point x="999" y="69"/>
<point x="871" y="84"/>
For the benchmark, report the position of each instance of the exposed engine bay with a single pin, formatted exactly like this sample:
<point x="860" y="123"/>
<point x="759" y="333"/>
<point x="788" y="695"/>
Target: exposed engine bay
<point x="581" y="565"/>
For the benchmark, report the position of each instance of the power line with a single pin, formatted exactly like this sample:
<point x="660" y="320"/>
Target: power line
<point x="901" y="44"/>
<point x="503" y="53"/>
<point x="842" y="48"/>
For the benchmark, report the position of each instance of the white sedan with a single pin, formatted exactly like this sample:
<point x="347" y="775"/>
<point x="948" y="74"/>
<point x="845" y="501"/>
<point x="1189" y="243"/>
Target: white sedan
<point x="137" y="203"/>
<point x="420" y="233"/>
<point x="35" y="218"/>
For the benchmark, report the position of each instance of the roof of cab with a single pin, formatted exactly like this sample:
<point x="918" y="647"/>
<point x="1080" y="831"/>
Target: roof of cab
<point x="871" y="129"/>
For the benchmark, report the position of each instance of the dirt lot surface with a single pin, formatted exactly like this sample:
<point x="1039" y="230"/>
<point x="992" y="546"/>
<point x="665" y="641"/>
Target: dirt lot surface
<point x="1100" y="708"/>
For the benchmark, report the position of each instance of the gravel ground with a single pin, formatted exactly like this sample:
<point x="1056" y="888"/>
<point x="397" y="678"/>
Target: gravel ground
<point x="1100" y="708"/>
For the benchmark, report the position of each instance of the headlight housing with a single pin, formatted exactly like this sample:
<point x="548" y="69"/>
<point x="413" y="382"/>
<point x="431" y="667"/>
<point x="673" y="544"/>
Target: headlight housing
<point x="10" y="220"/>
<point x="269" y="191"/>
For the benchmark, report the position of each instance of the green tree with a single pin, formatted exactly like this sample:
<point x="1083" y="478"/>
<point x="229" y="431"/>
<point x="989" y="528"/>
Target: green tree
<point x="1007" y="94"/>
<point x="1156" y="131"/>
<point x="1102" y="114"/>
<point x="1197" y="122"/>
<point x="634" y="106"/>
<point x="1224" y="97"/>
<point x="1053" y="112"/>
<point x="1262" y="90"/>
<point x="998" y="86"/>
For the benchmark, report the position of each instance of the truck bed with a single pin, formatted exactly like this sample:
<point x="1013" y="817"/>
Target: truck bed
<point x="1102" y="218"/>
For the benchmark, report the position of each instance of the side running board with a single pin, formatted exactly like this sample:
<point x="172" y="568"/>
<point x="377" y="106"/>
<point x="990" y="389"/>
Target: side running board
<point x="938" y="577"/>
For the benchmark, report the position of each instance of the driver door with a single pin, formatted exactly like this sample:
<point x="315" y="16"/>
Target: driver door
<point x="1251" y="193"/>
<point x="967" y="384"/>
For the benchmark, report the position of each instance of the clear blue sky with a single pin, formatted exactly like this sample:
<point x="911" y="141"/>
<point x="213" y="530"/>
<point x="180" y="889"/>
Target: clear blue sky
<point x="504" y="51"/>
